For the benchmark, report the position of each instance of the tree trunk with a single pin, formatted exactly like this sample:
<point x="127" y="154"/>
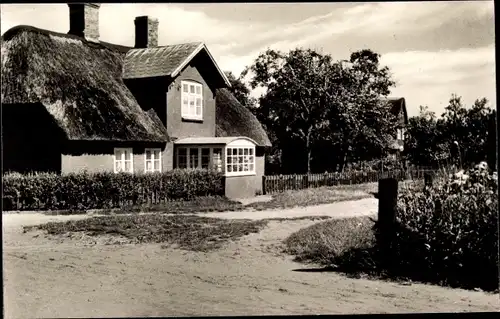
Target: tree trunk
<point x="308" y="161"/>
<point x="344" y="160"/>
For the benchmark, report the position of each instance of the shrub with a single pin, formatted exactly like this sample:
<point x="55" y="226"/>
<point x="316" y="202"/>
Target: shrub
<point x="106" y="190"/>
<point x="448" y="232"/>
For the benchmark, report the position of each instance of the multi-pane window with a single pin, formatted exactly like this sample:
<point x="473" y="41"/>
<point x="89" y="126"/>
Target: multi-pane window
<point x="205" y="158"/>
<point x="123" y="160"/>
<point x="152" y="160"/>
<point x="199" y="157"/>
<point x="217" y="159"/>
<point x="240" y="160"/>
<point x="182" y="158"/>
<point x="192" y="100"/>
<point x="194" y="157"/>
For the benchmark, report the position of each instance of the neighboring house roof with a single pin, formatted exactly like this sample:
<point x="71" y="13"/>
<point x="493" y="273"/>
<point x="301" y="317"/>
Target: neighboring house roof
<point x="212" y="140"/>
<point x="164" y="61"/>
<point x="398" y="105"/>
<point x="79" y="83"/>
<point x="233" y="119"/>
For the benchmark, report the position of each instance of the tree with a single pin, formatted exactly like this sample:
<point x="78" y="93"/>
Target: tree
<point x="365" y="121"/>
<point x="466" y="129"/>
<point x="240" y="91"/>
<point x="460" y="134"/>
<point x="311" y="99"/>
<point x="300" y="90"/>
<point x="423" y="145"/>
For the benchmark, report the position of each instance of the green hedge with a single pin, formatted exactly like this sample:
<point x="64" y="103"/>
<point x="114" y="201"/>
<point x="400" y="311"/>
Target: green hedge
<point x="45" y="191"/>
<point x="449" y="231"/>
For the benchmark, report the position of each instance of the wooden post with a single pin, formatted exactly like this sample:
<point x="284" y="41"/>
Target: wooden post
<point x="387" y="202"/>
<point x="264" y="185"/>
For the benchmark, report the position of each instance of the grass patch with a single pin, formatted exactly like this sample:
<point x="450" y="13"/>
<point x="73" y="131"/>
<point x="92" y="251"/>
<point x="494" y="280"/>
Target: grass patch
<point x="324" y="242"/>
<point x="185" y="231"/>
<point x="342" y="245"/>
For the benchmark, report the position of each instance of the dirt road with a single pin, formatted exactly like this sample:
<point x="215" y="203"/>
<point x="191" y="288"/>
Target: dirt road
<point x="85" y="278"/>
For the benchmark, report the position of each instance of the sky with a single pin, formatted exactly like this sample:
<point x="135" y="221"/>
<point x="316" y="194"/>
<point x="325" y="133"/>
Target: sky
<point x="433" y="49"/>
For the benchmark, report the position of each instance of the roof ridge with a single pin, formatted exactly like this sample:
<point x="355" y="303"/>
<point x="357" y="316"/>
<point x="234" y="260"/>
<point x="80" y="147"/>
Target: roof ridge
<point x="12" y="32"/>
<point x="197" y="43"/>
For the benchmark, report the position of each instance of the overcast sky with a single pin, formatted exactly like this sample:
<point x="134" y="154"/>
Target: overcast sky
<point x="433" y="48"/>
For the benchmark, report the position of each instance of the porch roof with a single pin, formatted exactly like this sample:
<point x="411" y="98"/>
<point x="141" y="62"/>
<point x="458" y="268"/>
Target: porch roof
<point x="212" y="140"/>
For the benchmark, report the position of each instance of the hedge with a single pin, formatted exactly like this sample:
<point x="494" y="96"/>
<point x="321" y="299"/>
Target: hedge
<point x="44" y="191"/>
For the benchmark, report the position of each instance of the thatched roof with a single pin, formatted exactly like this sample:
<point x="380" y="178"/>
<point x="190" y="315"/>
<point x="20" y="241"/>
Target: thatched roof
<point x="79" y="83"/>
<point x="233" y="119"/>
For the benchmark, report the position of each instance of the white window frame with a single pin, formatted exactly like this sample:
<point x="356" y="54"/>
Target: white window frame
<point x="188" y="112"/>
<point x="242" y="148"/>
<point x="152" y="160"/>
<point x="122" y="159"/>
<point x="400" y="134"/>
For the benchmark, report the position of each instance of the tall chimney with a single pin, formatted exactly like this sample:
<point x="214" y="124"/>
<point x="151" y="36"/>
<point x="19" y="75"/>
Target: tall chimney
<point x="84" y="20"/>
<point x="146" y="32"/>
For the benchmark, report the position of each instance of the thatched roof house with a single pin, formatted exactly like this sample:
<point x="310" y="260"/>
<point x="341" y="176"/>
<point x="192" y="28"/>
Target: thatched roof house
<point x="115" y="105"/>
<point x="78" y="82"/>
<point x="81" y="84"/>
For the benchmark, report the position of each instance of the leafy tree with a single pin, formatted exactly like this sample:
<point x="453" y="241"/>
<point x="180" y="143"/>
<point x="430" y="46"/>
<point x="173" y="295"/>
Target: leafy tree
<point x="240" y="90"/>
<point x="423" y="145"/>
<point x="300" y="91"/>
<point x="461" y="134"/>
<point x="311" y="100"/>
<point x="364" y="120"/>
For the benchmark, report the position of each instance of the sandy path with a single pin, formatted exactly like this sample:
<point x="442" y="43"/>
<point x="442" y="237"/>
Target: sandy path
<point x="344" y="209"/>
<point x="68" y="278"/>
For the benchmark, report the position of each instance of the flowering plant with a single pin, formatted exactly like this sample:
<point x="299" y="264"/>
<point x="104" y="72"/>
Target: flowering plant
<point x="455" y="221"/>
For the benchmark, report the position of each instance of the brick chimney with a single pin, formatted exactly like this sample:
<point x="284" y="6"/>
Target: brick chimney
<point x="84" y="20"/>
<point x="146" y="32"/>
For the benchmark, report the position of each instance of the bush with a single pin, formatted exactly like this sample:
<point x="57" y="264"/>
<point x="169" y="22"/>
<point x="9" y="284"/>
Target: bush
<point x="445" y="234"/>
<point x="106" y="190"/>
<point x="448" y="232"/>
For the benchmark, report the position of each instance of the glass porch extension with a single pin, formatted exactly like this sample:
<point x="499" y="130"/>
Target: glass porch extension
<point x="234" y="156"/>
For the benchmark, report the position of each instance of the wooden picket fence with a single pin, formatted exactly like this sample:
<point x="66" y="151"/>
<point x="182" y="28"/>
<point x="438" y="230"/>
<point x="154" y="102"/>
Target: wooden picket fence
<point x="272" y="184"/>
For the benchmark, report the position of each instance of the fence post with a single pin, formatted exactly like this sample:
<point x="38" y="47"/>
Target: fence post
<point x="387" y="202"/>
<point x="263" y="184"/>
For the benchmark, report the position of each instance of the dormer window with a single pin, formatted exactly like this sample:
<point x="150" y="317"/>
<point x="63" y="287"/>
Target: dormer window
<point x="192" y="100"/>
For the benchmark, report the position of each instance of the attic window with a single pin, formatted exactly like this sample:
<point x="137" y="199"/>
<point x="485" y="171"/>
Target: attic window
<point x="192" y="100"/>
